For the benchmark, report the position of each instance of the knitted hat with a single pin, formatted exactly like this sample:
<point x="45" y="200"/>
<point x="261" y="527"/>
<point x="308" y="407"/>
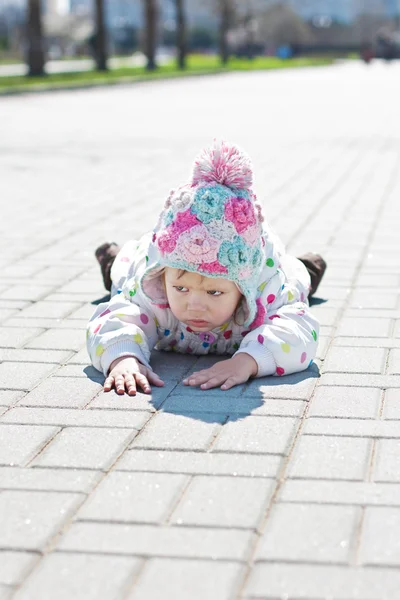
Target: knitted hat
<point x="211" y="226"/>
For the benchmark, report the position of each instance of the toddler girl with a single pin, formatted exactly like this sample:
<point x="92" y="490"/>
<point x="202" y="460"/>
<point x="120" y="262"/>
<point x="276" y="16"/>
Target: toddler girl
<point x="210" y="279"/>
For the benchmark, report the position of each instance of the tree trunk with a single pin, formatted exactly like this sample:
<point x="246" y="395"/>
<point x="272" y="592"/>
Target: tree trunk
<point x="223" y="31"/>
<point x="35" y="39"/>
<point x="181" y="34"/>
<point x="151" y="33"/>
<point x="100" y="43"/>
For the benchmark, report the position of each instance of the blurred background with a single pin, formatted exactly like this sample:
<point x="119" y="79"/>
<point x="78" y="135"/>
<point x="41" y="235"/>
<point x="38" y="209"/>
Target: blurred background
<point x="40" y="37"/>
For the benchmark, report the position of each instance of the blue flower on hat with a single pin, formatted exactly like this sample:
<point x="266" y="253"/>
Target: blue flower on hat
<point x="209" y="203"/>
<point x="235" y="255"/>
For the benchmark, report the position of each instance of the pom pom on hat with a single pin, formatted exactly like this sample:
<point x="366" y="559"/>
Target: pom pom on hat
<point x="224" y="164"/>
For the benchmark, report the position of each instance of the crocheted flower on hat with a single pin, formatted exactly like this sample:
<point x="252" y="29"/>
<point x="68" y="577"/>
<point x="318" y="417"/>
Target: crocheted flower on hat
<point x="209" y="203"/>
<point x="241" y="212"/>
<point x="196" y="246"/>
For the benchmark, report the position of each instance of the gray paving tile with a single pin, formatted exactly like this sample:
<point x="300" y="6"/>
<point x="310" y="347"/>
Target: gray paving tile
<point x="314" y="582"/>
<point x="223" y="502"/>
<point x="134" y="498"/>
<point x="56" y="480"/>
<point x="380" y="541"/>
<point x="64" y="393"/>
<point x="355" y="360"/>
<point x="387" y="464"/>
<point x="200" y="463"/>
<point x="15" y="565"/>
<point x="20" y="443"/>
<point x="391" y="409"/>
<point x="180" y="579"/>
<point x="65" y="417"/>
<point x="31" y="519"/>
<point x="359" y="493"/>
<point x="57" y="339"/>
<point x="326" y="457"/>
<point x="87" y="448"/>
<point x="18" y="376"/>
<point x="179" y="432"/>
<point x="353" y="427"/>
<point x="309" y="533"/>
<point x="342" y="402"/>
<point x="80" y="576"/>
<point x="271" y="435"/>
<point x="149" y="540"/>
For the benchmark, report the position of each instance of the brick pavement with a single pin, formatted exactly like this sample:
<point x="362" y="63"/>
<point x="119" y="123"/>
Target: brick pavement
<point x="284" y="488"/>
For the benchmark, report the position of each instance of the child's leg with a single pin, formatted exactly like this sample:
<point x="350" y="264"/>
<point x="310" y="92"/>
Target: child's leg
<point x="106" y="254"/>
<point x="316" y="267"/>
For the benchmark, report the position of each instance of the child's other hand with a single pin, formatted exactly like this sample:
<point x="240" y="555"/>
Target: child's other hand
<point x="226" y="373"/>
<point x="126" y="373"/>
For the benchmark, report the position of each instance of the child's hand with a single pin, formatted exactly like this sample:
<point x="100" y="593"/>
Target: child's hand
<point x="126" y="373"/>
<point x="233" y="371"/>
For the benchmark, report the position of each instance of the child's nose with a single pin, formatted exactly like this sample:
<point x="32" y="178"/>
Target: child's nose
<point x="195" y="303"/>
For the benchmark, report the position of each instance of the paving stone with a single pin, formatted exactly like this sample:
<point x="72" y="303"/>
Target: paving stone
<point x="134" y="498"/>
<point x="362" y="327"/>
<point x="31" y="519"/>
<point x="374" y="298"/>
<point x="71" y="392"/>
<point x="353" y="428"/>
<point x="325" y="457"/>
<point x="207" y="402"/>
<point x="27" y="291"/>
<point x="20" y="443"/>
<point x="391" y="409"/>
<point x="360" y="493"/>
<point x="80" y="576"/>
<point x="270" y="581"/>
<point x="57" y="339"/>
<point x="87" y="448"/>
<point x="270" y="435"/>
<point x="36" y="356"/>
<point x="149" y="540"/>
<point x="10" y="397"/>
<point x="223" y="502"/>
<point x="387" y="464"/>
<point x="367" y="342"/>
<point x="18" y="376"/>
<point x="183" y="579"/>
<point x="80" y="358"/>
<point x="360" y="380"/>
<point x="306" y="532"/>
<point x="14" y="566"/>
<point x="15" y="337"/>
<point x="355" y="360"/>
<point x="292" y="387"/>
<point x="394" y="362"/>
<point x="52" y="310"/>
<point x="70" y="324"/>
<point x="179" y="432"/>
<point x="349" y="403"/>
<point x="84" y="371"/>
<point x="380" y="540"/>
<point x="56" y="480"/>
<point x="150" y="402"/>
<point x="199" y="463"/>
<point x="65" y="417"/>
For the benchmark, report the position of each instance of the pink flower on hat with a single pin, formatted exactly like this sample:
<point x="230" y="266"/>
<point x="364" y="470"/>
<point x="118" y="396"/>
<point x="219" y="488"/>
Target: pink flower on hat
<point x="196" y="246"/>
<point x="241" y="212"/>
<point x="184" y="221"/>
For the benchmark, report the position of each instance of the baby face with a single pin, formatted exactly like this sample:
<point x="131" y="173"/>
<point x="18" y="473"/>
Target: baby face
<point x="202" y="303"/>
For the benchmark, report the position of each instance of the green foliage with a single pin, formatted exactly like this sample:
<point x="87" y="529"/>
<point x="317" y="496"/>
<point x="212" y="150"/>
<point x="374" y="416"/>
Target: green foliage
<point x="197" y="65"/>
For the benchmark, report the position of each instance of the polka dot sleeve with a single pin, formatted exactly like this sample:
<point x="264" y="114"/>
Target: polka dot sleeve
<point x="284" y="336"/>
<point x="120" y="328"/>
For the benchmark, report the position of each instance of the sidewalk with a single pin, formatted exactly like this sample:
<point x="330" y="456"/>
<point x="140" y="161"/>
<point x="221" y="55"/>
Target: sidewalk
<point x="283" y="488"/>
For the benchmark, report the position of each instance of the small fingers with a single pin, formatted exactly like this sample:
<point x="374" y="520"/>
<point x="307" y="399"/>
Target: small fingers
<point x="154" y="378"/>
<point x="143" y="382"/>
<point x="130" y="385"/>
<point x="212" y="383"/>
<point x="108" y="384"/>
<point x="119" y="384"/>
<point x="198" y="378"/>
<point x="229" y="383"/>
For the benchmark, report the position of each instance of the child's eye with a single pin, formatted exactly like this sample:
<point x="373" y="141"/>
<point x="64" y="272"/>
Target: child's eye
<point x="215" y="293"/>
<point x="180" y="288"/>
